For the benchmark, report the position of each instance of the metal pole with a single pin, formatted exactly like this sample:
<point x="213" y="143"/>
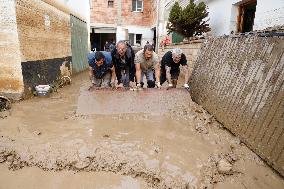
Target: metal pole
<point x="157" y="26"/>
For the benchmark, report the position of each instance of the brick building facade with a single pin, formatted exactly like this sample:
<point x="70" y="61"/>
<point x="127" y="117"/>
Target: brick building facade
<point x="133" y="20"/>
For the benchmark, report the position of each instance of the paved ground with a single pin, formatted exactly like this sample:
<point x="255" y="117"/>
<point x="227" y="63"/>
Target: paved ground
<point x="123" y="139"/>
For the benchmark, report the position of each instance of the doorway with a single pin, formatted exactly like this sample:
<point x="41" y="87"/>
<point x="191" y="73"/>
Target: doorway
<point x="245" y="20"/>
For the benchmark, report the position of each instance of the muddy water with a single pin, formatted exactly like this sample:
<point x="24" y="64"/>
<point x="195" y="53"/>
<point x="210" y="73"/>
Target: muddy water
<point x="34" y="178"/>
<point x="95" y="139"/>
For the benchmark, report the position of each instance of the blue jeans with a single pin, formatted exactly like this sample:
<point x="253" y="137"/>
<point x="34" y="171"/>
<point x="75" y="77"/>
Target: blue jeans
<point x="150" y="77"/>
<point x="125" y="77"/>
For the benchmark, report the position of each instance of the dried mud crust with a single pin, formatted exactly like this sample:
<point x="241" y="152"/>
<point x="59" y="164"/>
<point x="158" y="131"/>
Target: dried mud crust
<point x="121" y="158"/>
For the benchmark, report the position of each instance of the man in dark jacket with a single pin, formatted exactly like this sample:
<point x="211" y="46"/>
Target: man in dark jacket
<point x="123" y="60"/>
<point x="170" y="68"/>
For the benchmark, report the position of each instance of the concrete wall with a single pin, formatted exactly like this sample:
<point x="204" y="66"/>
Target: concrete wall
<point x="45" y="42"/>
<point x="240" y="81"/>
<point x="11" y="80"/>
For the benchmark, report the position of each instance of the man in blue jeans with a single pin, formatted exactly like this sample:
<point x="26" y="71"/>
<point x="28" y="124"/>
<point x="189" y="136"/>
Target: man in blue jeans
<point x="101" y="69"/>
<point x="147" y="63"/>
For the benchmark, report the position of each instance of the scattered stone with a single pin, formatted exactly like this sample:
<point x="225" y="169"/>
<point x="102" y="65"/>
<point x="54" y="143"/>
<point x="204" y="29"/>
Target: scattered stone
<point x="4" y="114"/>
<point x="82" y="164"/>
<point x="224" y="167"/>
<point x="37" y="132"/>
<point x="199" y="111"/>
<point x="200" y="128"/>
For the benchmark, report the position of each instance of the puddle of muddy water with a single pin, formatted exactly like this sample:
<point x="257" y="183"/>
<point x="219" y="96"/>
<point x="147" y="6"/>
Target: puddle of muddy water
<point x="151" y="101"/>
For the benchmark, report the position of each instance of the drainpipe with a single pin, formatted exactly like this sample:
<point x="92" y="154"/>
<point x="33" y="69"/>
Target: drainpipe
<point x="157" y="26"/>
<point x="119" y="7"/>
<point x="119" y="21"/>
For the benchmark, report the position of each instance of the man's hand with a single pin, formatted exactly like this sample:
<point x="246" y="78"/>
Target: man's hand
<point x="112" y="85"/>
<point x="139" y="87"/>
<point x="186" y="86"/>
<point x="132" y="84"/>
<point x="93" y="81"/>
<point x="120" y="85"/>
<point x="170" y="86"/>
<point x="158" y="84"/>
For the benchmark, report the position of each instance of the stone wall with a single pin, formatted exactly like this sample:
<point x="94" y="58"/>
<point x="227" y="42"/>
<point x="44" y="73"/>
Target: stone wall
<point x="240" y="81"/>
<point x="45" y="42"/>
<point x="11" y="80"/>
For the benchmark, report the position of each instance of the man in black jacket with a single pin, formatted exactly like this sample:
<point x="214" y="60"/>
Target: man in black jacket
<point x="123" y="60"/>
<point x="170" y="68"/>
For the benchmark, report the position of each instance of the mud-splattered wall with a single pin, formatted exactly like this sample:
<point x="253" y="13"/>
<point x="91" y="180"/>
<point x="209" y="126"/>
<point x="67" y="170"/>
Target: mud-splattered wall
<point x="11" y="81"/>
<point x="45" y="41"/>
<point x="240" y="81"/>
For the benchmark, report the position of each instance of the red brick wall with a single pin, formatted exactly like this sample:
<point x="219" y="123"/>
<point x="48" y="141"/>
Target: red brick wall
<point x="100" y="13"/>
<point x="100" y="8"/>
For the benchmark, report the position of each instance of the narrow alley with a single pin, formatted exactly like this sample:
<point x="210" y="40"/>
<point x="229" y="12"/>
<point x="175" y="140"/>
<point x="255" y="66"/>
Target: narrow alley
<point x="141" y="94"/>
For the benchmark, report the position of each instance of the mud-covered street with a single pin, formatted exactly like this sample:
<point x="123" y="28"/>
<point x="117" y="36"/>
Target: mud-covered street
<point x="161" y="139"/>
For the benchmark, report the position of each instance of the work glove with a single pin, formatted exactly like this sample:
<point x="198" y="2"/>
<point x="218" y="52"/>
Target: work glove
<point x="158" y="84"/>
<point x="186" y="86"/>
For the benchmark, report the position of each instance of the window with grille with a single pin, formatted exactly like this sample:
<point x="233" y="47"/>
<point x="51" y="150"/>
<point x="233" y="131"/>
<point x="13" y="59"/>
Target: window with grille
<point x="137" y="5"/>
<point x="110" y="3"/>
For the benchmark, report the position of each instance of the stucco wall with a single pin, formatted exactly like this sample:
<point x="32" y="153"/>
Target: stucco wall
<point x="45" y="41"/>
<point x="269" y="14"/>
<point x="240" y="82"/>
<point x="11" y="81"/>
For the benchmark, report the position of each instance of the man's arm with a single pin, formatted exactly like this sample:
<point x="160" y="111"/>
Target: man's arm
<point x="112" y="74"/>
<point x="186" y="73"/>
<point x="138" y="73"/>
<point x="157" y="72"/>
<point x="91" y="74"/>
<point x="168" y="74"/>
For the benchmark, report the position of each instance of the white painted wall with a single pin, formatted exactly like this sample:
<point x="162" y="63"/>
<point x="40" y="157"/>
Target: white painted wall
<point x="220" y="16"/>
<point x="269" y="13"/>
<point x="147" y="33"/>
<point x="79" y="8"/>
<point x="223" y="14"/>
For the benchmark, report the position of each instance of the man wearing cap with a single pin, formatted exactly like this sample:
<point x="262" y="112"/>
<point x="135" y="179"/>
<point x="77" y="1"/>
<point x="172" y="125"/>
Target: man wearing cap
<point x="170" y="70"/>
<point x="147" y="63"/>
<point x="101" y="69"/>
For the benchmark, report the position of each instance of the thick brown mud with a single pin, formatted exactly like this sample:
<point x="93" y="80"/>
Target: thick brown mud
<point x="123" y="139"/>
